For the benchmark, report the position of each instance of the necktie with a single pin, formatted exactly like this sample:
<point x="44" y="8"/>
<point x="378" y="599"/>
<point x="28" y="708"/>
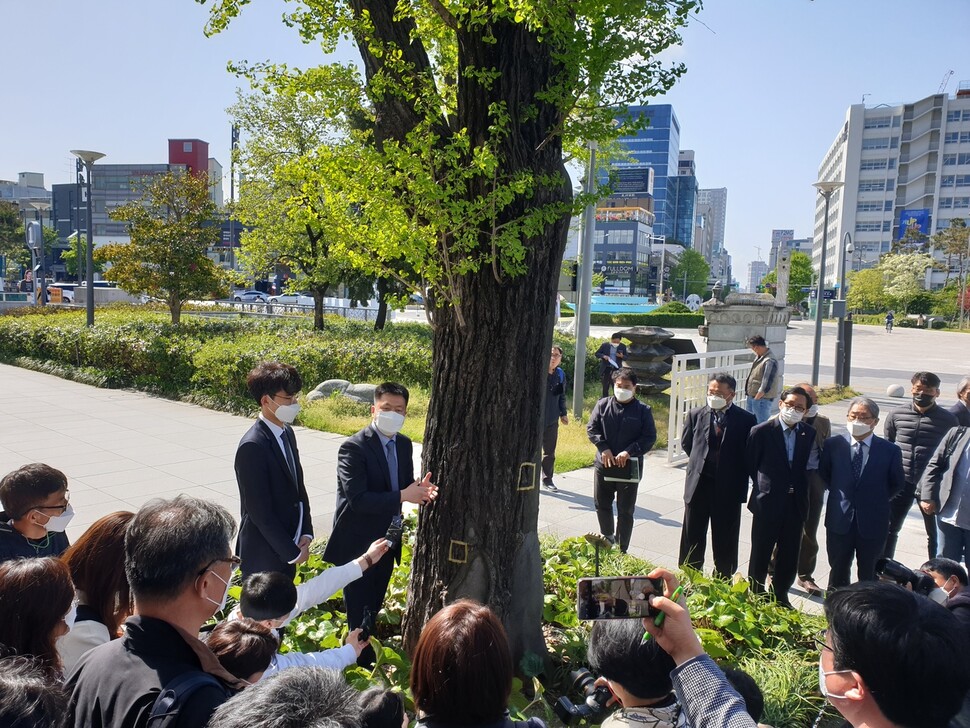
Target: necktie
<point x="391" y="450"/>
<point x="790" y="443"/>
<point x="857" y="462"/>
<point x="290" y="461"/>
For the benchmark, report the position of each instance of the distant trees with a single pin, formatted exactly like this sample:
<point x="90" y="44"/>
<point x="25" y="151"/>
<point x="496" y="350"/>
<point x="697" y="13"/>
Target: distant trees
<point x="690" y="275"/>
<point x="800" y="277"/>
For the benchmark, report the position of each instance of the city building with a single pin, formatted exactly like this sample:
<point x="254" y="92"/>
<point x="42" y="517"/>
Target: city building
<point x="898" y="163"/>
<point x="715" y="200"/>
<point x="778" y="238"/>
<point x="683" y="189"/>
<point x="757" y="269"/>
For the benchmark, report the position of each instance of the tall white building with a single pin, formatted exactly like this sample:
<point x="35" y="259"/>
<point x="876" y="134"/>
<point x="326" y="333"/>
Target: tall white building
<point x="757" y="269"/>
<point x="901" y="162"/>
<point x="716" y="200"/>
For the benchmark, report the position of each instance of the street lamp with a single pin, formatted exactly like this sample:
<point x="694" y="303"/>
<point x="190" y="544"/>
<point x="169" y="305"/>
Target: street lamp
<point x="89" y="158"/>
<point x="585" y="286"/>
<point x="825" y="188"/>
<point x="840" y="328"/>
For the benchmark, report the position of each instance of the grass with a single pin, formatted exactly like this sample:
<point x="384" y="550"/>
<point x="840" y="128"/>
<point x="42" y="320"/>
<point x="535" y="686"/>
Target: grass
<point x="345" y="417"/>
<point x="828" y="395"/>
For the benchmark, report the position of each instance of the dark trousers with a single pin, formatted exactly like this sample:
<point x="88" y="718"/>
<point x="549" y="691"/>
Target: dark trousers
<point x="607" y="377"/>
<point x="956" y="543"/>
<point x="550" y="436"/>
<point x="604" y="491"/>
<point x="368" y="591"/>
<point x="841" y="547"/>
<point x="899" y="508"/>
<point x="808" y="552"/>
<point x="723" y="513"/>
<point x="783" y="530"/>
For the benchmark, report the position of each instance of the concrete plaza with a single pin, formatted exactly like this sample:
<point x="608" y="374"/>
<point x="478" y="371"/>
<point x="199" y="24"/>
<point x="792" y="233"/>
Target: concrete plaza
<point x="121" y="448"/>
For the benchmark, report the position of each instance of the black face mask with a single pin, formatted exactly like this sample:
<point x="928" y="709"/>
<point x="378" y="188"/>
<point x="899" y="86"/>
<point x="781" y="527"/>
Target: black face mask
<point x="923" y="400"/>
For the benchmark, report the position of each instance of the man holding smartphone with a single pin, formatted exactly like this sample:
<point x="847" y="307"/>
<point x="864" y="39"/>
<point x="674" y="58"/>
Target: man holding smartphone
<point x="375" y="475"/>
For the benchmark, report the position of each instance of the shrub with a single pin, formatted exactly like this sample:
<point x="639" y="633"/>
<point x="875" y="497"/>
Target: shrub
<point x="666" y="320"/>
<point x="672" y="307"/>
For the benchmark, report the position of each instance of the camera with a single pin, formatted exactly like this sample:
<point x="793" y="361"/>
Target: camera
<point x="919" y="581"/>
<point x="395" y="532"/>
<point x="595" y="703"/>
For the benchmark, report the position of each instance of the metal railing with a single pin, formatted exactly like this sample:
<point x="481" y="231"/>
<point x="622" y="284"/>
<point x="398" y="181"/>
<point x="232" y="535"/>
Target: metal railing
<point x="688" y="388"/>
<point x="278" y="309"/>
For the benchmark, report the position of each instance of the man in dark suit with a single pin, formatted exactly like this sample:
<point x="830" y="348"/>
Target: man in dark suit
<point x="374" y="477"/>
<point x="779" y="452"/>
<point x="276" y="528"/>
<point x="962" y="408"/>
<point x="863" y="472"/>
<point x="611" y="355"/>
<point x="714" y="437"/>
<point x="808" y="552"/>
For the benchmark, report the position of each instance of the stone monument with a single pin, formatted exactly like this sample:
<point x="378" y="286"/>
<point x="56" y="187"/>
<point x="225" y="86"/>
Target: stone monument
<point x="729" y="324"/>
<point x="648" y="357"/>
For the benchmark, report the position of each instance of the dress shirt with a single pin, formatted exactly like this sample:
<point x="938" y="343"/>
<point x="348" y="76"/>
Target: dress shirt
<point x="278" y="434"/>
<point x="384" y="440"/>
<point x="866" y="448"/>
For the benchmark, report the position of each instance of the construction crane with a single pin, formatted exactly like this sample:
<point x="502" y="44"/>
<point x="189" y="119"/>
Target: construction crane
<point x="945" y="81"/>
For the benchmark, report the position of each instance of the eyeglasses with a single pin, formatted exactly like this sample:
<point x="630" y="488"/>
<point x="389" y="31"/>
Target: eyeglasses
<point x="859" y="418"/>
<point x="59" y="509"/>
<point x="286" y="398"/>
<point x="794" y="408"/>
<point x="820" y="640"/>
<point x="234" y="560"/>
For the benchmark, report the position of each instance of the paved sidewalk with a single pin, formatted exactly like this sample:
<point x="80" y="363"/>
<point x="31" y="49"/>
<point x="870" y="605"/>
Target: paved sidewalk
<point x="122" y="448"/>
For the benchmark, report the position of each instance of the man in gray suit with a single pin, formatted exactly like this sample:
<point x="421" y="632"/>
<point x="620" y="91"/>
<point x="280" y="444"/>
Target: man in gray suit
<point x="944" y="486"/>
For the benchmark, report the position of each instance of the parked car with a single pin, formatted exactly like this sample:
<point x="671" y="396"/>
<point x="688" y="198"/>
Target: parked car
<point x="249" y="296"/>
<point x="67" y="291"/>
<point x="303" y="298"/>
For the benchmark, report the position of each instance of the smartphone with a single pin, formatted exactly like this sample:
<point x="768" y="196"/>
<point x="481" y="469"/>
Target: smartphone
<point x="395" y="532"/>
<point x="367" y="624"/>
<point x="617" y="597"/>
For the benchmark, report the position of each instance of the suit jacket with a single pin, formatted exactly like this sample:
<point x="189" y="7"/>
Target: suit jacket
<point x="867" y="502"/>
<point x="936" y="485"/>
<point x="270" y="502"/>
<point x="770" y="471"/>
<point x="823" y="429"/>
<point x="604" y="350"/>
<point x="365" y="501"/>
<point x="962" y="413"/>
<point x="732" y="469"/>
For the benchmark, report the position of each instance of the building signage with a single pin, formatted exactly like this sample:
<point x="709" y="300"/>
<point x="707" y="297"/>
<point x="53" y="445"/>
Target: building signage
<point x="919" y="217"/>
<point x="632" y="181"/>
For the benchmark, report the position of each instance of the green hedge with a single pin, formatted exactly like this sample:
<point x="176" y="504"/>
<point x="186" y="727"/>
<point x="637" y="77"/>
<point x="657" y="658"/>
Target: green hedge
<point x="666" y="320"/>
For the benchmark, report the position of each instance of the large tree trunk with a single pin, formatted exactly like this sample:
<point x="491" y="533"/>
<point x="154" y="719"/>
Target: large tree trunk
<point x="483" y="436"/>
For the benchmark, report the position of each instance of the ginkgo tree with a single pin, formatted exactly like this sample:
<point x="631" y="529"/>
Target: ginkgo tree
<point x="458" y="188"/>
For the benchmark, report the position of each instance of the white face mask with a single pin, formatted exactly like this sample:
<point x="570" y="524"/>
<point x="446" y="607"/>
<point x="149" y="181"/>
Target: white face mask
<point x="822" y="674"/>
<point x="389" y="423"/>
<point x="221" y="604"/>
<point x="859" y="429"/>
<point x="71" y="616"/>
<point x="716" y="402"/>
<point x="623" y="395"/>
<point x="287" y="412"/>
<point x="790" y="416"/>
<point x="812" y="411"/>
<point x="58" y="524"/>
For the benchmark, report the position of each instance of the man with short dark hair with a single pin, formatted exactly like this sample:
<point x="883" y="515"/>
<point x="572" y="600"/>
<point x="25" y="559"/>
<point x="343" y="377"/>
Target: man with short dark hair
<point x="36" y="511"/>
<point x="779" y="452"/>
<point x="179" y="564"/>
<point x="611" y="356"/>
<point x="764" y="380"/>
<point x="622" y="429"/>
<point x="961" y="410"/>
<point x="808" y="551"/>
<point x="276" y="527"/>
<point x="307" y="697"/>
<point x="555" y="413"/>
<point x="917" y="428"/>
<point x="863" y="472"/>
<point x="885" y="644"/>
<point x="637" y="672"/>
<point x="375" y="475"/>
<point x="714" y="438"/>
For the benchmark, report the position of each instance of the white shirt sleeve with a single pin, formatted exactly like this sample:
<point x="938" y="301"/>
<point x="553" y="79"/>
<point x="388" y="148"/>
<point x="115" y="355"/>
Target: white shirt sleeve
<point x="323" y="586"/>
<point x="83" y="636"/>
<point x="336" y="659"/>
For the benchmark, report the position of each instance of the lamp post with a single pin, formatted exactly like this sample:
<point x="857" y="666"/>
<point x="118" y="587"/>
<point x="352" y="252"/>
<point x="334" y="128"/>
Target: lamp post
<point x="585" y="286"/>
<point x="825" y="188"/>
<point x="89" y="158"/>
<point x="840" y="328"/>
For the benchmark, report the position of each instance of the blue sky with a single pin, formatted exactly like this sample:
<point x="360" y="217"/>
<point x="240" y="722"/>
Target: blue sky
<point x="767" y="86"/>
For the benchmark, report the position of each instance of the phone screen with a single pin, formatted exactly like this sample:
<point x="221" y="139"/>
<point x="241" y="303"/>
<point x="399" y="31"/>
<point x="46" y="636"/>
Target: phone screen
<point x="617" y="597"/>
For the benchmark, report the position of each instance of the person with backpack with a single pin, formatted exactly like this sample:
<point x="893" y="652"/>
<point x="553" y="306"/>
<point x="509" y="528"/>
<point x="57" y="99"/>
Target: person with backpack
<point x="179" y="565"/>
<point x="555" y="413"/>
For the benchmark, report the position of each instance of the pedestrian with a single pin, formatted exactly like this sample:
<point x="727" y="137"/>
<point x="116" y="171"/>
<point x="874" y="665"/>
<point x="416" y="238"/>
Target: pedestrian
<point x="779" y="452"/>
<point x="863" y="472"/>
<point x="764" y="380"/>
<point x="890" y="318"/>
<point x="808" y="552"/>
<point x="714" y="438"/>
<point x="36" y="512"/>
<point x="611" y="355"/>
<point x="622" y="429"/>
<point x="555" y="413"/>
<point x="961" y="410"/>
<point x="917" y="428"/>
<point x="944" y="485"/>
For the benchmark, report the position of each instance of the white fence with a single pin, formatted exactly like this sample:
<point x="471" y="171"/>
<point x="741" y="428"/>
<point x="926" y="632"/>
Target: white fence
<point x="688" y="388"/>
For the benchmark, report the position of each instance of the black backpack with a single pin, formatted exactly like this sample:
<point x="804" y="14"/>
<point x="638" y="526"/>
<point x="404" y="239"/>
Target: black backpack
<point x="174" y="695"/>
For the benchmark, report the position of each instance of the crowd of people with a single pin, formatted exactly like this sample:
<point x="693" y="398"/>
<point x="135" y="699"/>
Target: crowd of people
<point x="129" y="626"/>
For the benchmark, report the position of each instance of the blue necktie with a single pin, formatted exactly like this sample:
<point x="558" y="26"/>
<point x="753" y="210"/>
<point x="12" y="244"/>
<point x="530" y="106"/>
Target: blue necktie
<point x="391" y="450"/>
<point x="857" y="462"/>
<point x="790" y="443"/>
